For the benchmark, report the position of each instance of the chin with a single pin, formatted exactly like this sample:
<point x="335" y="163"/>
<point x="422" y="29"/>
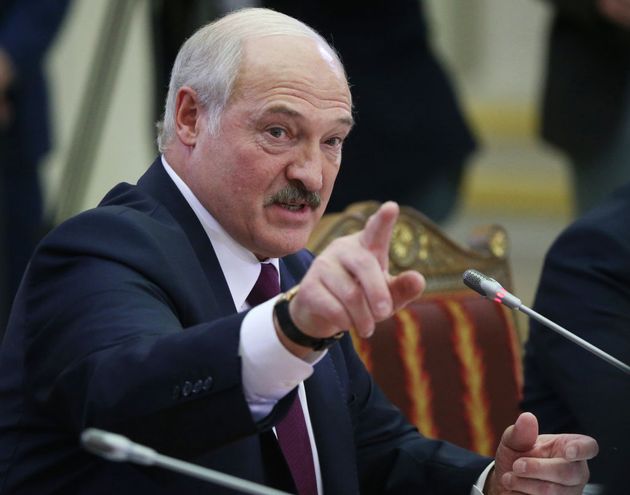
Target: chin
<point x="283" y="245"/>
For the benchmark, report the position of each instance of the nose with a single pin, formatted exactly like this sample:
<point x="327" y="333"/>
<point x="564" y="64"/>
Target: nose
<point x="308" y="167"/>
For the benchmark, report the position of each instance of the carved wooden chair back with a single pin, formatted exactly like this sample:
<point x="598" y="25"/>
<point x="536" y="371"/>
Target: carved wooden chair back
<point x="451" y="361"/>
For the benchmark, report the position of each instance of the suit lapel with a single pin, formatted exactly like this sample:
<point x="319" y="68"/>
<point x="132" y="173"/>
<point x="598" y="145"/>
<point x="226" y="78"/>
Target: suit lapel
<point x="327" y="404"/>
<point x="158" y="184"/>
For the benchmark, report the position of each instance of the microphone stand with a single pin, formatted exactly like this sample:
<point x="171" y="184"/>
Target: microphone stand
<point x="493" y="290"/>
<point x="213" y="476"/>
<point x="118" y="448"/>
<point x="575" y="339"/>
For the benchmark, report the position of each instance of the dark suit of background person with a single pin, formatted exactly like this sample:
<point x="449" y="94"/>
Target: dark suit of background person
<point x="91" y="286"/>
<point x="585" y="287"/>
<point x="586" y="103"/>
<point x="27" y="28"/>
<point x="411" y="140"/>
<point x="172" y="22"/>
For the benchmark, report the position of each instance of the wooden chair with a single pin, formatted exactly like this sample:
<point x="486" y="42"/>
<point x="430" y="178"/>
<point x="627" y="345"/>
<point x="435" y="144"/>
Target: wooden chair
<point x="451" y="361"/>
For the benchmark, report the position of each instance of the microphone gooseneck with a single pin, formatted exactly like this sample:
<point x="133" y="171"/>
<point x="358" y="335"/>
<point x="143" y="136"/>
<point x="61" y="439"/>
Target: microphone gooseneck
<point x="490" y="288"/>
<point x="117" y="448"/>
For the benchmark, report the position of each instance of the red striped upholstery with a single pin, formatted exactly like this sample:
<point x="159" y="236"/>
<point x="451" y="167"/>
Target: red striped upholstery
<point x="451" y="360"/>
<point x="452" y="365"/>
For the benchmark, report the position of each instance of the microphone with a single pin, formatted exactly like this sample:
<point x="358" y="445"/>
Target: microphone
<point x="490" y="288"/>
<point x="118" y="448"/>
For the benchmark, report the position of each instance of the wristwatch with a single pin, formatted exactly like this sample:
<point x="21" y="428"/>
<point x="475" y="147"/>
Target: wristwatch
<point x="292" y="332"/>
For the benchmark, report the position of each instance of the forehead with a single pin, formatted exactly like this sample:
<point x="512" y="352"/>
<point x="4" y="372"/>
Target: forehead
<point x="292" y="68"/>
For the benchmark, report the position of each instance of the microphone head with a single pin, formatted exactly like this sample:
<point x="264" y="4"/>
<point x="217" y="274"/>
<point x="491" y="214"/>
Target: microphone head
<point x="95" y="441"/>
<point x="473" y="278"/>
<point x="105" y="444"/>
<point x="115" y="447"/>
<point x="490" y="288"/>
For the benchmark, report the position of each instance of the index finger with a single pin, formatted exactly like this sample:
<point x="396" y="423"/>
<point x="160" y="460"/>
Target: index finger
<point x="377" y="233"/>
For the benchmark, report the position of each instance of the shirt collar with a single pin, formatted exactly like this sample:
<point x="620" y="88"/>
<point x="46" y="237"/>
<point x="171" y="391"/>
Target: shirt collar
<point x="240" y="267"/>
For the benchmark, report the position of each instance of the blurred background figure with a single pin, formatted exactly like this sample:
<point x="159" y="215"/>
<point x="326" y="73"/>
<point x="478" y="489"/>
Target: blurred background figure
<point x="585" y="287"/>
<point x="411" y="140"/>
<point x="586" y="103"/>
<point x="27" y="28"/>
<point x="172" y="22"/>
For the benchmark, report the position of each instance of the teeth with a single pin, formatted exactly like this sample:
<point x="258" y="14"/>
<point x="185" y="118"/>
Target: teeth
<point x="292" y="207"/>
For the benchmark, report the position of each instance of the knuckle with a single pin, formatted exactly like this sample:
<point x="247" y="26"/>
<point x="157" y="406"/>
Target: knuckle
<point x="352" y="294"/>
<point x="532" y="465"/>
<point x="583" y="473"/>
<point x="365" y="326"/>
<point x="339" y="317"/>
<point x="359" y="261"/>
<point x="549" y="488"/>
<point x="321" y="262"/>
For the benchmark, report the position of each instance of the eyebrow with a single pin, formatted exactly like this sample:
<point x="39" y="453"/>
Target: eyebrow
<point x="282" y="109"/>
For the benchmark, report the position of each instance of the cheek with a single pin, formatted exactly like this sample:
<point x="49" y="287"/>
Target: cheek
<point x="247" y="182"/>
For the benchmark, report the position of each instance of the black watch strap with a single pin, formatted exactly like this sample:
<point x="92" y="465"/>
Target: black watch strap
<point x="293" y="333"/>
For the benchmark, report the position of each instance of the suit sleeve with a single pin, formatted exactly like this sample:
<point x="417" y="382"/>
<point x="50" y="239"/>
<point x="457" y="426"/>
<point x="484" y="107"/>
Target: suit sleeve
<point x="118" y="337"/>
<point x="585" y="15"/>
<point x="585" y="287"/>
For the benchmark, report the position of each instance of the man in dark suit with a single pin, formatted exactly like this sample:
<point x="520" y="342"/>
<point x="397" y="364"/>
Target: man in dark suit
<point x="585" y="286"/>
<point x="144" y="316"/>
<point x="27" y="28"/>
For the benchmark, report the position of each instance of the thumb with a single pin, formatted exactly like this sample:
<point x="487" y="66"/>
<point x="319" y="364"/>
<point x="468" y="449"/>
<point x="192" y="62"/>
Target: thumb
<point x="516" y="440"/>
<point x="522" y="435"/>
<point x="405" y="287"/>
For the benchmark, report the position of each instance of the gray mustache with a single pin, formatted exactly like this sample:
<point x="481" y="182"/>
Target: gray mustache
<point x="296" y="194"/>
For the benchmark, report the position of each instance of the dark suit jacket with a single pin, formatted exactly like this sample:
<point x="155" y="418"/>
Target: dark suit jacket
<point x="585" y="286"/>
<point x="410" y="132"/>
<point x="586" y="82"/>
<point x="124" y="321"/>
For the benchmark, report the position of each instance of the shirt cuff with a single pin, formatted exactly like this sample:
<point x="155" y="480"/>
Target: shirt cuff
<point x="269" y="370"/>
<point x="477" y="488"/>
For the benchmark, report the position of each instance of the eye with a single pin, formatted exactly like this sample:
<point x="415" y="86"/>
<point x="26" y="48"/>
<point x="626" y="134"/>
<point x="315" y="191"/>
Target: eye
<point x="277" y="132"/>
<point x="335" y="142"/>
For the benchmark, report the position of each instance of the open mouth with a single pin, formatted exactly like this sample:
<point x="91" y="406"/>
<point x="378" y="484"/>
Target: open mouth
<point x="292" y="206"/>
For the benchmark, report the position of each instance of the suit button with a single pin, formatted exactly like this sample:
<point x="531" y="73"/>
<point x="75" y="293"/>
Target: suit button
<point x="197" y="387"/>
<point x="177" y="391"/>
<point x="187" y="388"/>
<point x="207" y="384"/>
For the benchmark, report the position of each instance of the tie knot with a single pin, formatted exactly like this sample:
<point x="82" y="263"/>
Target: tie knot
<point x="267" y="285"/>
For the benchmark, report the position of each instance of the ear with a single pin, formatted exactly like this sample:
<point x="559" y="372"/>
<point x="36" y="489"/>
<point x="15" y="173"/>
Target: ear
<point x="187" y="115"/>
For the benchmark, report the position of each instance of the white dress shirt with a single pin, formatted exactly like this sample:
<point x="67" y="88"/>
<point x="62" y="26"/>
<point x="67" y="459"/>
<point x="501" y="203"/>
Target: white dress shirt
<point x="264" y="359"/>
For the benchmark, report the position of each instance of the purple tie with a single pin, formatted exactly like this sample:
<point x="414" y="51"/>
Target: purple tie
<point x="292" y="433"/>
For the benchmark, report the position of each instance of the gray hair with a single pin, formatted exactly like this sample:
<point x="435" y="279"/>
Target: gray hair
<point x="209" y="61"/>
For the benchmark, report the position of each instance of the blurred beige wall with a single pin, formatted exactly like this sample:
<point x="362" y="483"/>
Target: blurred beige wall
<point x="125" y="147"/>
<point x="494" y="45"/>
